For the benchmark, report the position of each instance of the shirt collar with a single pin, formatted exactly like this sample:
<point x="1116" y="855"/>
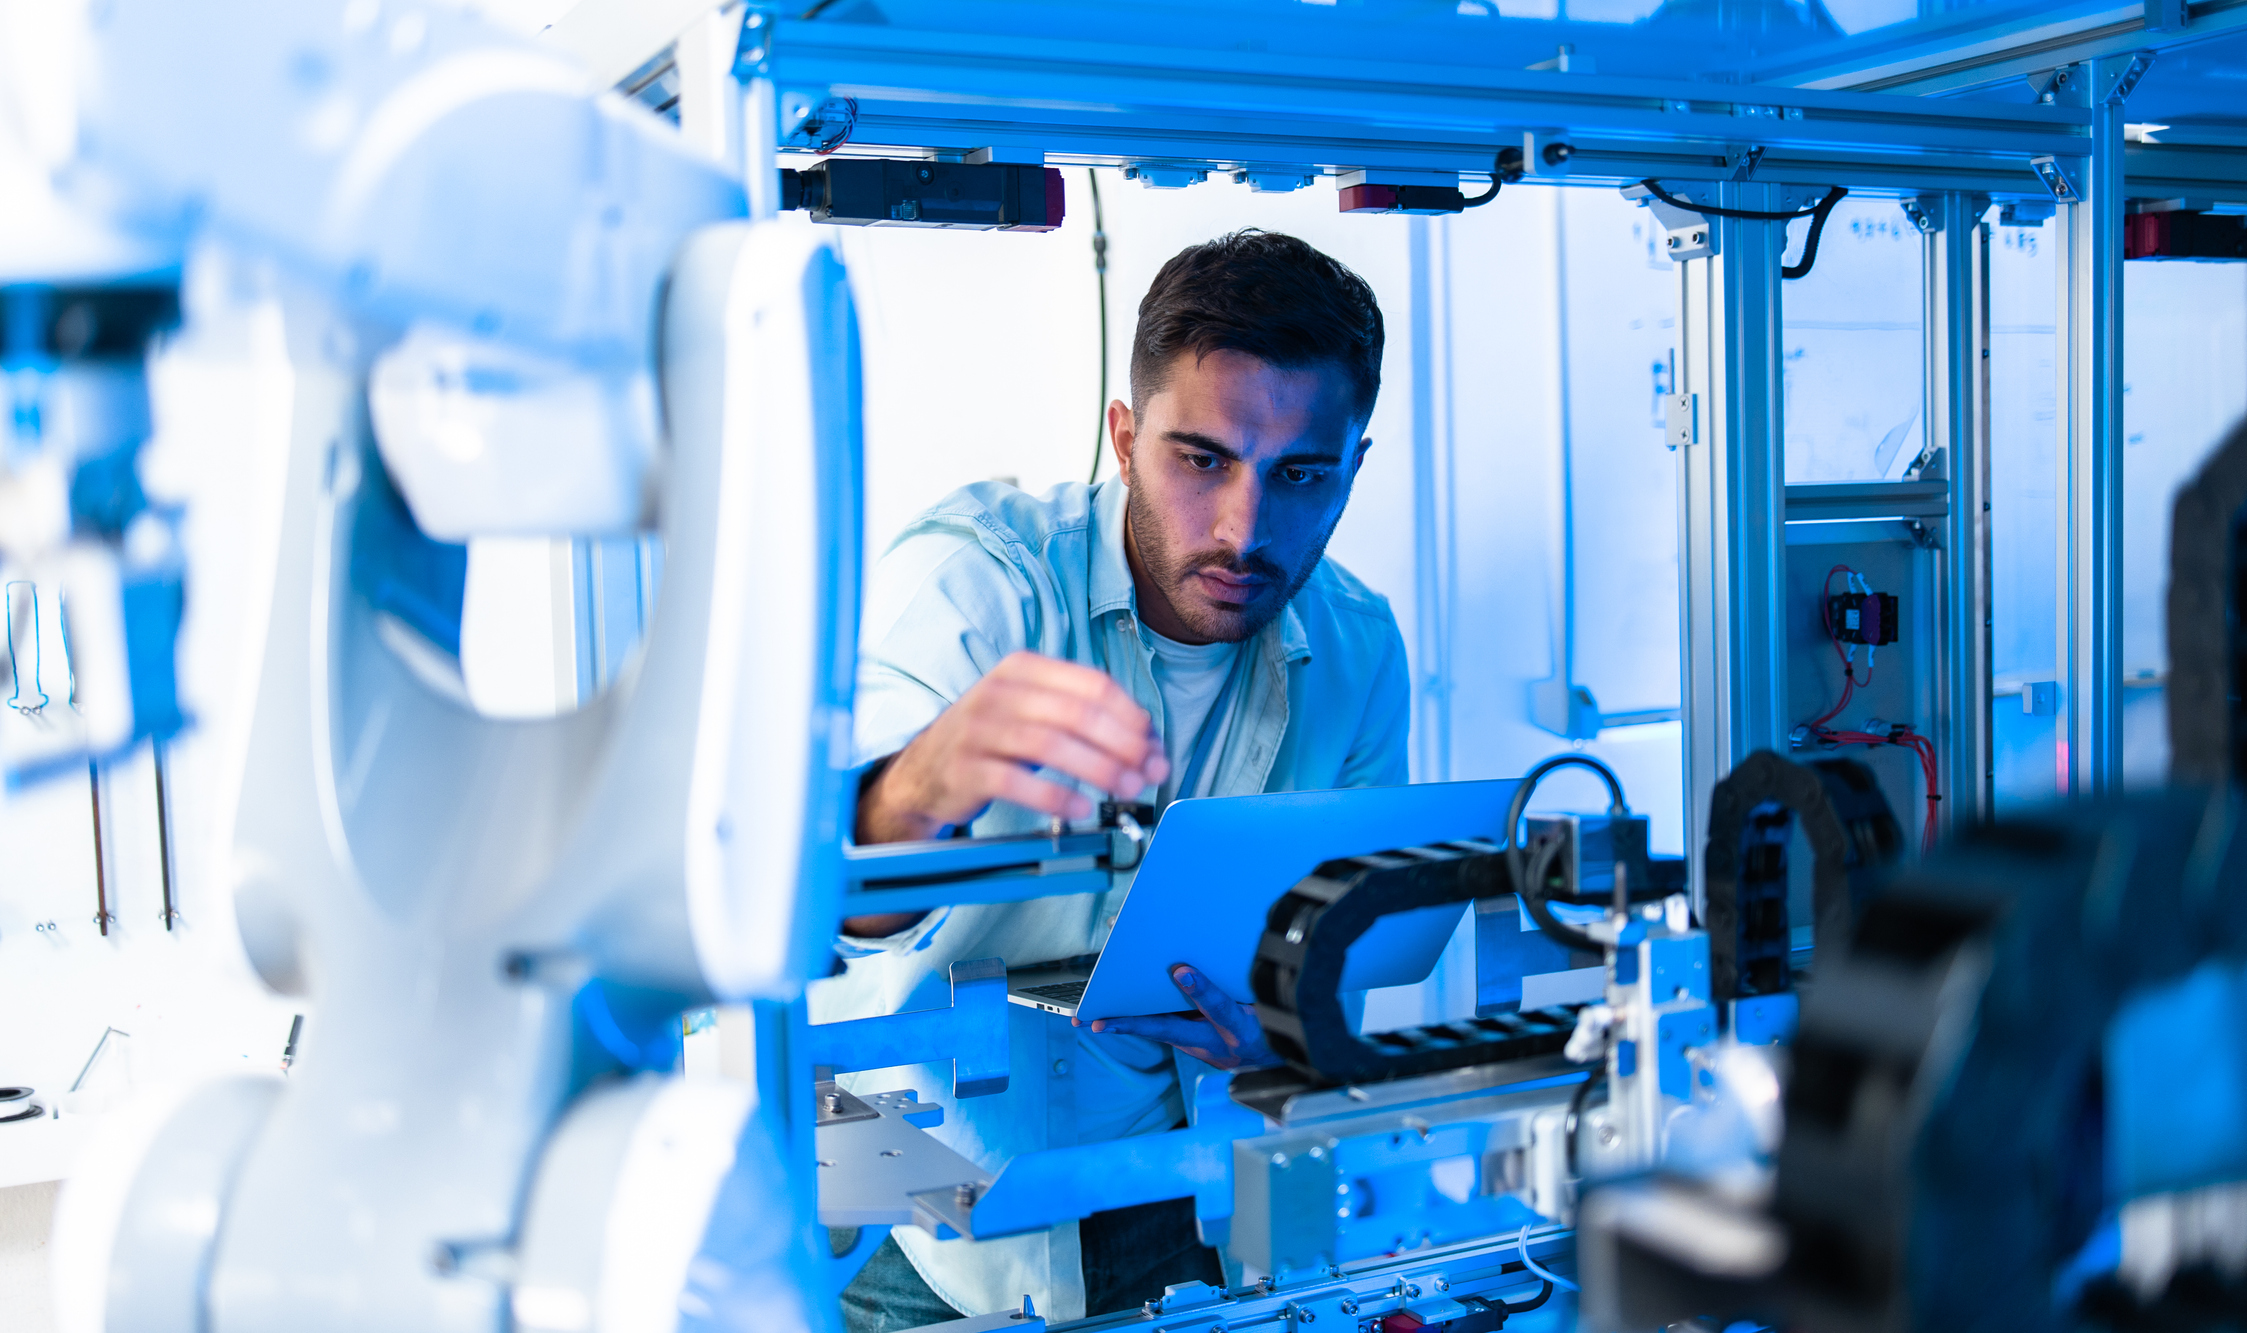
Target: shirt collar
<point x="1112" y="589"/>
<point x="1111" y="569"/>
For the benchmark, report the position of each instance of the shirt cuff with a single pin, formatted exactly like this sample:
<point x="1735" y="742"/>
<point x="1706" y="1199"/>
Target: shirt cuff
<point x="912" y="939"/>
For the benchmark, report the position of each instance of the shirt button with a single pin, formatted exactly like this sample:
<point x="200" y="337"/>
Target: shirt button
<point x="1061" y="1066"/>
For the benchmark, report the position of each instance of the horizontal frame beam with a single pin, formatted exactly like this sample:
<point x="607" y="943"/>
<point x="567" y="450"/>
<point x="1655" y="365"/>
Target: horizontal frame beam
<point x="1106" y="102"/>
<point x="1968" y="56"/>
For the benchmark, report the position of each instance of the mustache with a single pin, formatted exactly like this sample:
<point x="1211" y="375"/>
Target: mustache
<point x="1234" y="563"/>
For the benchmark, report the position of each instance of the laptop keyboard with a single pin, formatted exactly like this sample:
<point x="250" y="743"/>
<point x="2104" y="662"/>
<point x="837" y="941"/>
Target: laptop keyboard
<point x="1061" y="992"/>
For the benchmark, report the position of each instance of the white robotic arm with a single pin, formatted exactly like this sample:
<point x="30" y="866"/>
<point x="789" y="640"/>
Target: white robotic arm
<point x="491" y="916"/>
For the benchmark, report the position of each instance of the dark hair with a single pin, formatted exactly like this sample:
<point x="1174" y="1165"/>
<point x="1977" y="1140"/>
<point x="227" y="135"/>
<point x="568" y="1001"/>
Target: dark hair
<point x="1266" y="294"/>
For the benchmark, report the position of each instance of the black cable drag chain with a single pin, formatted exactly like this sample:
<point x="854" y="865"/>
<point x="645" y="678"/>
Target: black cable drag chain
<point x="1307" y="937"/>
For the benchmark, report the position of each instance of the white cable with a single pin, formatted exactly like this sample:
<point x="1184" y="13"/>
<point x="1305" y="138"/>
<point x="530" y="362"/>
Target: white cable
<point x="1521" y="1243"/>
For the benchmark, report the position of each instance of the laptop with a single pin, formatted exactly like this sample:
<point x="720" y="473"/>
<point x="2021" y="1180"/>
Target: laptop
<point x="1215" y="866"/>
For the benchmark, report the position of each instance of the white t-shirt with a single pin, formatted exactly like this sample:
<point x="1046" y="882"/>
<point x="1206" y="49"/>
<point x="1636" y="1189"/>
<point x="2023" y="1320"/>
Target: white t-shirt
<point x="1190" y="676"/>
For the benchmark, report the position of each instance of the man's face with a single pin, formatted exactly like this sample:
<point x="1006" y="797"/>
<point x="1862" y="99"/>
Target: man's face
<point x="1238" y="473"/>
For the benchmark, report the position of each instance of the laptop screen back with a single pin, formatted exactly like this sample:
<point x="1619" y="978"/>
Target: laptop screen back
<point x="1217" y="864"/>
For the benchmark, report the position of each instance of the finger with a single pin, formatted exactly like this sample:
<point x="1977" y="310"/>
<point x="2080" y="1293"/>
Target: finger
<point x="1237" y="1025"/>
<point x="1169" y="1029"/>
<point x="1046" y="747"/>
<point x="1156" y="765"/>
<point x="1070" y="678"/>
<point x="1005" y="780"/>
<point x="1114" y="724"/>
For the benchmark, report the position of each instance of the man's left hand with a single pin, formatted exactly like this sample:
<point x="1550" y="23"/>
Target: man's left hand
<point x="1222" y="1033"/>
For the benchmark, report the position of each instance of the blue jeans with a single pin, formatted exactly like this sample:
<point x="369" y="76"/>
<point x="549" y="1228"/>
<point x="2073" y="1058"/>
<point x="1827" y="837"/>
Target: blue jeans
<point x="888" y="1295"/>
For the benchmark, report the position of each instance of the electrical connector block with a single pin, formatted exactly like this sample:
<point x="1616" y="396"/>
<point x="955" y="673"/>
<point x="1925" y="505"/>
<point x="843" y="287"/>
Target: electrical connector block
<point x="1862" y="617"/>
<point x="966" y="196"/>
<point x="1424" y="199"/>
<point x="2183" y="235"/>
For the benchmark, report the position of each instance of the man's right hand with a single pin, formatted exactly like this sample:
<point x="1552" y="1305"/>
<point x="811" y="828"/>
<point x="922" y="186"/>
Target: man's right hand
<point x="1030" y="712"/>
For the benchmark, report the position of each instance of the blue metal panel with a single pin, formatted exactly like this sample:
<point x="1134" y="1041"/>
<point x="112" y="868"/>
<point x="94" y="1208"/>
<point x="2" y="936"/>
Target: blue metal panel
<point x="1679" y="968"/>
<point x="1760" y="1020"/>
<point x="2176" y="1085"/>
<point x="971" y="1032"/>
<point x="1675" y="1035"/>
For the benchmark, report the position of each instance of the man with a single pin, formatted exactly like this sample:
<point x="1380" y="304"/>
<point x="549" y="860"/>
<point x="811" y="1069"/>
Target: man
<point x="1174" y="632"/>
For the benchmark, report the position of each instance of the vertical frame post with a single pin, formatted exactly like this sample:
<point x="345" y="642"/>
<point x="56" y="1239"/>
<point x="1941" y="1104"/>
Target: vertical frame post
<point x="1956" y="318"/>
<point x="1435" y="553"/>
<point x="1731" y="503"/>
<point x="2090" y="620"/>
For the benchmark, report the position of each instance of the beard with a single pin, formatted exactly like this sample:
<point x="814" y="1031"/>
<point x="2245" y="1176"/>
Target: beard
<point x="1168" y="571"/>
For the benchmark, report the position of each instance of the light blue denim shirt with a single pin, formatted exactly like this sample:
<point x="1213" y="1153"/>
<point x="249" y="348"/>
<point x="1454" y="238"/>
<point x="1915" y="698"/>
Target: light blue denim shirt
<point x="990" y="571"/>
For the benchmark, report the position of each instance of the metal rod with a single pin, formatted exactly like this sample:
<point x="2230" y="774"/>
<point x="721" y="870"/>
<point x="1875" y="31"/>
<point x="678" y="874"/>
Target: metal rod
<point x="102" y="918"/>
<point x="288" y="1049"/>
<point x="99" y="1047"/>
<point x="164" y="832"/>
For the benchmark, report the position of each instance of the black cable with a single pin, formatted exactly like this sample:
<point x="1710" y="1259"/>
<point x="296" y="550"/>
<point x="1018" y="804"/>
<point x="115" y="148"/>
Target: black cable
<point x="1816" y="213"/>
<point x="1576" y="1102"/>
<point x="1100" y="268"/>
<point x="1504" y="168"/>
<point x="1653" y="187"/>
<point x="1616" y="805"/>
<point x="1543" y="1295"/>
<point x="1531" y="888"/>
<point x="1801" y="269"/>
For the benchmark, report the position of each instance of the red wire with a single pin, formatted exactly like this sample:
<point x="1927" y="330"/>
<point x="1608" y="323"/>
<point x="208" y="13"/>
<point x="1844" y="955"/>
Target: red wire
<point x="1903" y="735"/>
